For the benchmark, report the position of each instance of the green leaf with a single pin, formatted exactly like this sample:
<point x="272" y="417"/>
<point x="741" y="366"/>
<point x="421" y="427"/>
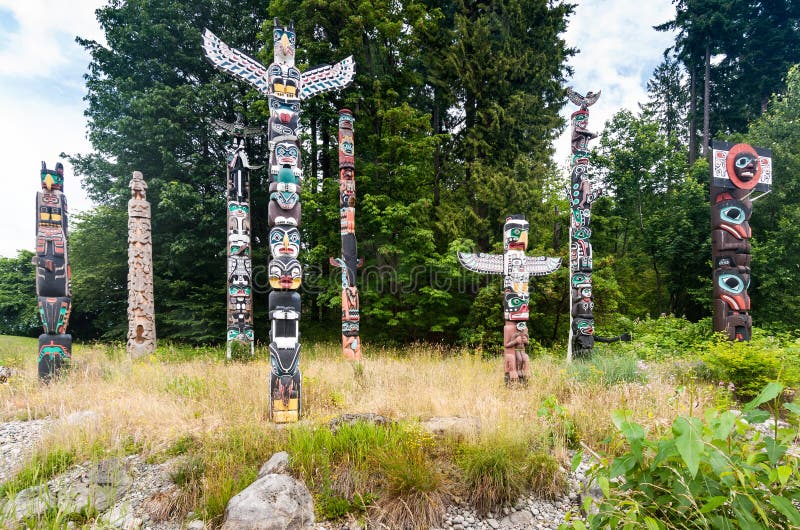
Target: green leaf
<point x="713" y="503"/>
<point x="620" y="416"/>
<point x="689" y="442"/>
<point x="792" y="407"/>
<point x="577" y="524"/>
<point x="770" y="392"/>
<point x="622" y="465"/>
<point x="786" y="507"/>
<point x="576" y="460"/>
<point x="652" y="524"/>
<point x="756" y="416"/>
<point x="774" y="450"/>
<point x="784" y="472"/>
<point x="724" y="425"/>
<point x="604" y="486"/>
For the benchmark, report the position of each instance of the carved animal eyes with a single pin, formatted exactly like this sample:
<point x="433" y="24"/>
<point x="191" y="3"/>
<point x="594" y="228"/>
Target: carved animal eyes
<point x="731" y="283"/>
<point x="732" y="214"/>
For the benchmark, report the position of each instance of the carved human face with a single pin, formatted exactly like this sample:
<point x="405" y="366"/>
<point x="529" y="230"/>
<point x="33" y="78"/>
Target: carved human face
<point x="284" y="240"/>
<point x="515" y="234"/>
<point x="285" y="273"/>
<point x="743" y="166"/>
<point x="287" y="154"/>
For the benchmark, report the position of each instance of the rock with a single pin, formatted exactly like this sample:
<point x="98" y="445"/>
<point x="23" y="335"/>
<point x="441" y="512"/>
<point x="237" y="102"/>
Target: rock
<point x="520" y="518"/>
<point x="366" y="417"/>
<point x="278" y="464"/>
<point x="452" y="425"/>
<point x="493" y="523"/>
<point x="272" y="502"/>
<point x="196" y="525"/>
<point x="98" y="489"/>
<point x="30" y="502"/>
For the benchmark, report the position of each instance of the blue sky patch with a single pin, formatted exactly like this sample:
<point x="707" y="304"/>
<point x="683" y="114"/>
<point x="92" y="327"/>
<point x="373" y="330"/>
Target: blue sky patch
<point x="8" y="25"/>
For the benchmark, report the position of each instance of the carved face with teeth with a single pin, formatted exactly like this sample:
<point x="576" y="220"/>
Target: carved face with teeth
<point x="743" y="166"/>
<point x="285" y="273"/>
<point x="515" y="233"/>
<point x="284" y="241"/>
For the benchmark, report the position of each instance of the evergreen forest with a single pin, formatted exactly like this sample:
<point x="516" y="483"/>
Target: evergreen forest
<point x="457" y="114"/>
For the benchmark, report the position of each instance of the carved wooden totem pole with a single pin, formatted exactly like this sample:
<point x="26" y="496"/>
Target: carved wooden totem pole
<point x="141" y="309"/>
<point x="285" y="88"/>
<point x="53" y="273"/>
<point x="240" y="285"/>
<point x="737" y="171"/>
<point x="348" y="262"/>
<point x="517" y="268"/>
<point x="580" y="196"/>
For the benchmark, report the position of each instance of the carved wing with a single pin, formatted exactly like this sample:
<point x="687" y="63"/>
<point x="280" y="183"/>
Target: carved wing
<point x="574" y="96"/>
<point x="591" y="98"/>
<point x="328" y="77"/>
<point x="236" y="63"/>
<point x="541" y="265"/>
<point x="483" y="263"/>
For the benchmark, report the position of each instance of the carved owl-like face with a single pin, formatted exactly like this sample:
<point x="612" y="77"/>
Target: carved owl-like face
<point x="285" y="40"/>
<point x="515" y="233"/>
<point x="285" y="273"/>
<point x="284" y="240"/>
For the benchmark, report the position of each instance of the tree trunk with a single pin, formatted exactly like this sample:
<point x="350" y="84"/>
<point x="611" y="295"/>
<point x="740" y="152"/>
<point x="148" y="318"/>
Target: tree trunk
<point x="692" y="115"/>
<point x="706" y="101"/>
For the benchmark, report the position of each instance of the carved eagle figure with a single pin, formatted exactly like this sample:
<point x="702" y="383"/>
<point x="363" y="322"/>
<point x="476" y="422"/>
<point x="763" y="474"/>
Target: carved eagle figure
<point x="583" y="102"/>
<point x="242" y="66"/>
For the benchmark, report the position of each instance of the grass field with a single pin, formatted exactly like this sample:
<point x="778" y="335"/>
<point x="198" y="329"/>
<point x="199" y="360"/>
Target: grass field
<point x="192" y="401"/>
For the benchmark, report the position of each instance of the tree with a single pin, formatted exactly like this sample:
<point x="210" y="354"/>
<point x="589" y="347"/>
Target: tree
<point x="18" y="310"/>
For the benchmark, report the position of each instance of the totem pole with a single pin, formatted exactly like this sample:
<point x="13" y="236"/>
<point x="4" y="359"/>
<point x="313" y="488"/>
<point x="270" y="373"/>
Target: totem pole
<point x="348" y="262"/>
<point x="285" y="88"/>
<point x="580" y="196"/>
<point x="53" y="273"/>
<point x="141" y="311"/>
<point x="737" y="171"/>
<point x="517" y="269"/>
<point x="240" y="287"/>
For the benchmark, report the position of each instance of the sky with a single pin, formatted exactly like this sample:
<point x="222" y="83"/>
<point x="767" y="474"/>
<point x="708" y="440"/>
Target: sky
<point x="42" y="88"/>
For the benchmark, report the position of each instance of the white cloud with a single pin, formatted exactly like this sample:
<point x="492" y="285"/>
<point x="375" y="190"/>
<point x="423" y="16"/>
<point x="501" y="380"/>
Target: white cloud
<point x="41" y="107"/>
<point x="618" y="51"/>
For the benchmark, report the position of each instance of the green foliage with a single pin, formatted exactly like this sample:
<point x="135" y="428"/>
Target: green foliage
<point x="492" y="473"/>
<point x="18" y="313"/>
<point x="714" y="472"/>
<point x="563" y="432"/>
<point x="544" y="476"/>
<point x="751" y="365"/>
<point x="608" y="369"/>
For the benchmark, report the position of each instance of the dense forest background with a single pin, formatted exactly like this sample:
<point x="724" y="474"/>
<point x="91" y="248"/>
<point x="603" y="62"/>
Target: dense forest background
<point x="457" y="109"/>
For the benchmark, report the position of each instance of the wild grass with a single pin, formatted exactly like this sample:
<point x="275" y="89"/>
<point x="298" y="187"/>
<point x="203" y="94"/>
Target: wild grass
<point x="193" y="404"/>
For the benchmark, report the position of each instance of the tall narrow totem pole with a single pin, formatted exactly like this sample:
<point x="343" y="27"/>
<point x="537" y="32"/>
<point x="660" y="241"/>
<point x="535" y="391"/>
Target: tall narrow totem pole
<point x="517" y="268"/>
<point x="580" y="196"/>
<point x="285" y="88"/>
<point x="141" y="308"/>
<point x="53" y="273"/>
<point x="737" y="171"/>
<point x="240" y="287"/>
<point x="348" y="262"/>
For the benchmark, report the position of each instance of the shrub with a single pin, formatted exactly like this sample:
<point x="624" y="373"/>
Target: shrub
<point x="544" y="476"/>
<point x="607" y="369"/>
<point x="563" y="432"/>
<point x="493" y="474"/>
<point x="751" y="365"/>
<point x="718" y="472"/>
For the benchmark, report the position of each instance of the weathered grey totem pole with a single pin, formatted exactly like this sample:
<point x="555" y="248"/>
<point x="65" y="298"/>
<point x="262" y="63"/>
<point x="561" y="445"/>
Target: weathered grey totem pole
<point x="53" y="273"/>
<point x="517" y="268"/>
<point x="141" y="308"/>
<point x="240" y="287"/>
<point x="737" y="171"/>
<point x="285" y="87"/>
<point x="348" y="262"/>
<point x="580" y="196"/>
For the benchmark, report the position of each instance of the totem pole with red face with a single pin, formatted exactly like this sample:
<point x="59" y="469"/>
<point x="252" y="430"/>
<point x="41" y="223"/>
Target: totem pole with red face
<point x="737" y="172"/>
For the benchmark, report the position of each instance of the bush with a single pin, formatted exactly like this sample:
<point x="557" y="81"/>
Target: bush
<point x="608" y="370"/>
<point x="493" y="474"/>
<point x="544" y="476"/>
<point x="718" y="472"/>
<point x="751" y="365"/>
